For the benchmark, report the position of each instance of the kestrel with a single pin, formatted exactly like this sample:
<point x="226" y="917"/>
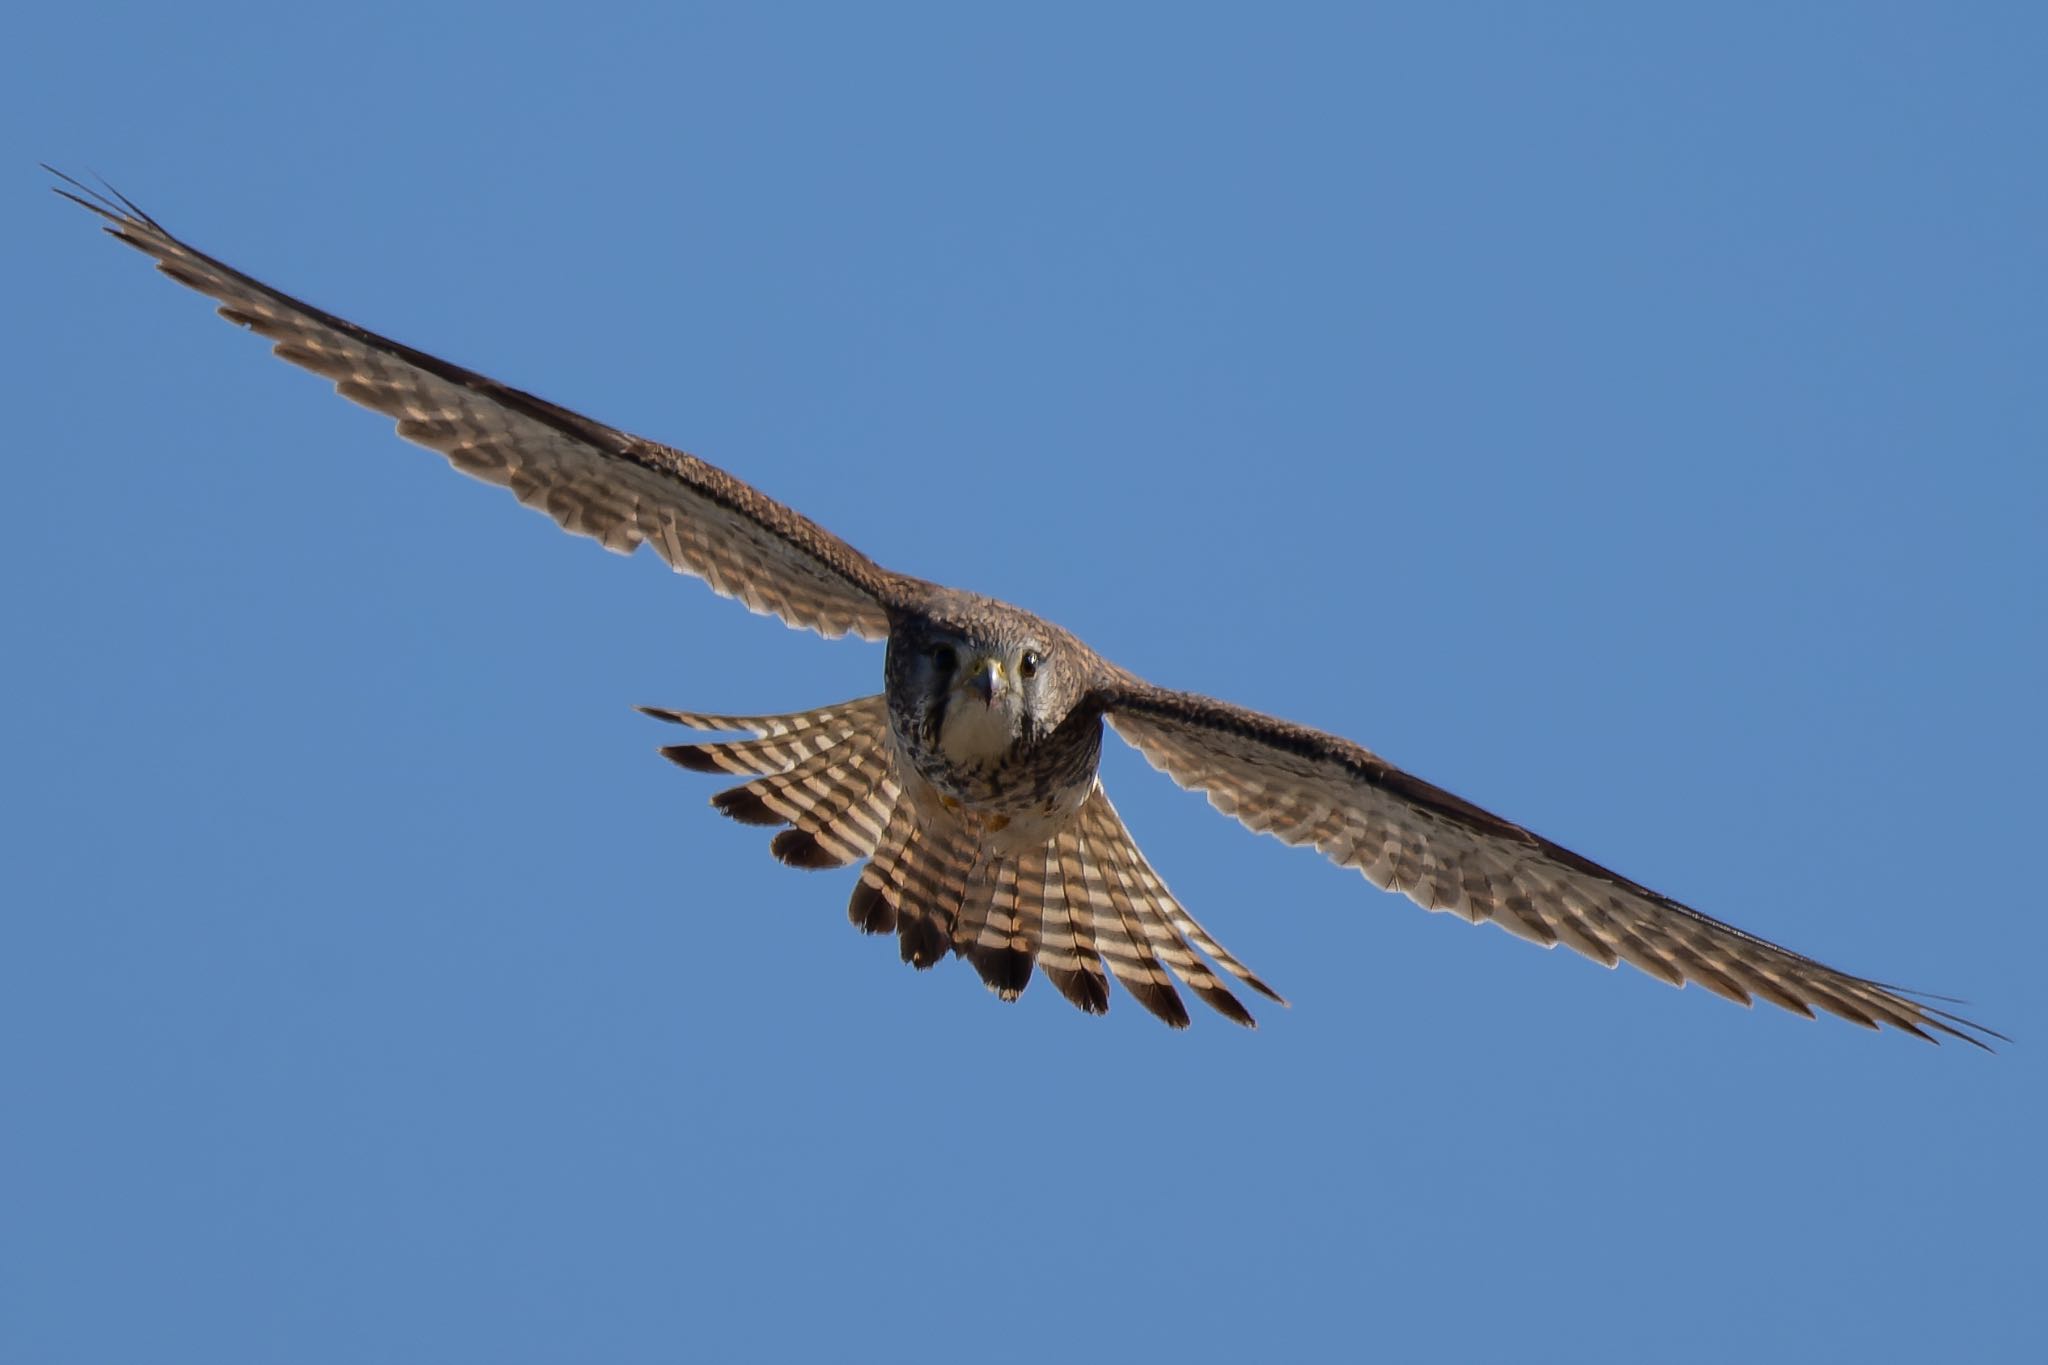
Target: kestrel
<point x="967" y="787"/>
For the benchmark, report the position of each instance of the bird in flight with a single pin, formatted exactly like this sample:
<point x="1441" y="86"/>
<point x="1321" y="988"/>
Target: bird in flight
<point x="967" y="787"/>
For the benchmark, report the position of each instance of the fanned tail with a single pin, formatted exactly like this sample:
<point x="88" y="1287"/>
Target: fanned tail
<point x="1084" y="904"/>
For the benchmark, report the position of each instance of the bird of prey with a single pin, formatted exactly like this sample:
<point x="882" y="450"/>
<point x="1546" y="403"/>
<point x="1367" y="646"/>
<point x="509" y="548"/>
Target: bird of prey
<point x="967" y="787"/>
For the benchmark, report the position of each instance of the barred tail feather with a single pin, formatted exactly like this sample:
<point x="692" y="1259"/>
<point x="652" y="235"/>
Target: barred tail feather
<point x="1006" y="940"/>
<point x="779" y="743"/>
<point x="876" y="895"/>
<point x="930" y="881"/>
<point x="977" y="890"/>
<point x="1119" y="935"/>
<point x="1146" y="883"/>
<point x="827" y="772"/>
<point x="1144" y="901"/>
<point x="1068" y="951"/>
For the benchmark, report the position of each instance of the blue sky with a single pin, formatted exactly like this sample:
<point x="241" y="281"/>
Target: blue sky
<point x="1630" y="418"/>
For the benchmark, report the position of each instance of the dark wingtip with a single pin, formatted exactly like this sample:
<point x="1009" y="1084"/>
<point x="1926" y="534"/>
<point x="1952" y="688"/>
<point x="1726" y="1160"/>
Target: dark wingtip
<point x="78" y="192"/>
<point x="106" y="201"/>
<point x="1938" y="1021"/>
<point x="1955" y="1026"/>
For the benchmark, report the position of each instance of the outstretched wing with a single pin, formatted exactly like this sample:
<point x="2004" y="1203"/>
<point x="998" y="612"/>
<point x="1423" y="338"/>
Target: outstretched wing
<point x="1307" y="787"/>
<point x="594" y="480"/>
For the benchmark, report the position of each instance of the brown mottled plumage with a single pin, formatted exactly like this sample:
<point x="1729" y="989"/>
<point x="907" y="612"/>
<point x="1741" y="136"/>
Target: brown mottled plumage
<point x="968" y="788"/>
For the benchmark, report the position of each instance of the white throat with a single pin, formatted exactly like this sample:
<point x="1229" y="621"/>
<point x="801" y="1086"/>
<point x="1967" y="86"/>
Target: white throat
<point x="973" y="735"/>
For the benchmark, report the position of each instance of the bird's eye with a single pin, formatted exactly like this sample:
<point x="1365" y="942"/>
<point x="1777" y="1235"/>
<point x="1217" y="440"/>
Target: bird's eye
<point x="1028" y="665"/>
<point x="944" y="657"/>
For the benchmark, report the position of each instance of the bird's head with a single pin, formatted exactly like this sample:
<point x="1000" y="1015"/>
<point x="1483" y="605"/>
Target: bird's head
<point x="985" y="683"/>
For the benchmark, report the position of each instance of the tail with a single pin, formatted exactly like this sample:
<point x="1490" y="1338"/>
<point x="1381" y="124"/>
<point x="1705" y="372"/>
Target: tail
<point x="1085" y="904"/>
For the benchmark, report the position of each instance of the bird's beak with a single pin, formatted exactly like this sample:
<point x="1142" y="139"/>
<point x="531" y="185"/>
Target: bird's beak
<point x="983" y="678"/>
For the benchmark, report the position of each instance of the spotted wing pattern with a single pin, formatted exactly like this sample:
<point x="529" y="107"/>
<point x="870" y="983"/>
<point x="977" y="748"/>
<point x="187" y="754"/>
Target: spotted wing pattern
<point x="616" y="488"/>
<point x="1306" y="787"/>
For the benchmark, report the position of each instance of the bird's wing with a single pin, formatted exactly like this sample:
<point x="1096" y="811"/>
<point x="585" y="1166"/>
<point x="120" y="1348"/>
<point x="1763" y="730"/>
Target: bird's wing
<point x="594" y="480"/>
<point x="1308" y="787"/>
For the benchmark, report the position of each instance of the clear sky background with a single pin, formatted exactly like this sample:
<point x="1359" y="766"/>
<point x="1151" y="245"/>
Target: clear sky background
<point x="1628" y="417"/>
